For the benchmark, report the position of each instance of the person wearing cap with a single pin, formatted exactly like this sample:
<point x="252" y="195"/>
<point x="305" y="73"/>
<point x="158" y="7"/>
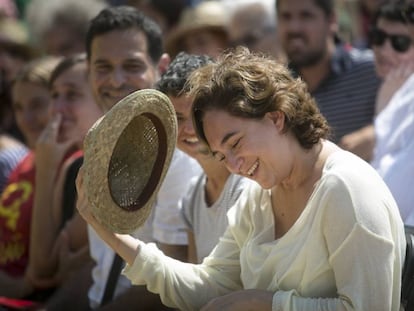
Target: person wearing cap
<point x="316" y="226"/>
<point x="392" y="40"/>
<point x="125" y="54"/>
<point x="201" y="30"/>
<point x="215" y="191"/>
<point x="341" y="78"/>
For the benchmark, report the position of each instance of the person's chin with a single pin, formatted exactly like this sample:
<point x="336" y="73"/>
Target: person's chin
<point x="190" y="152"/>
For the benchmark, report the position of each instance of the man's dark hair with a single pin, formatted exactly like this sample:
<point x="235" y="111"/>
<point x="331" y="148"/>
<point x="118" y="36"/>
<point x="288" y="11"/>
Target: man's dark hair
<point x="390" y="11"/>
<point x="64" y="65"/>
<point x="123" y="18"/>
<point x="173" y="81"/>
<point x="327" y="6"/>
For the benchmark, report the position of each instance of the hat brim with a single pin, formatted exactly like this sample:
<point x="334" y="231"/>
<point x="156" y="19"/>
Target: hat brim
<point x="126" y="156"/>
<point x="174" y="40"/>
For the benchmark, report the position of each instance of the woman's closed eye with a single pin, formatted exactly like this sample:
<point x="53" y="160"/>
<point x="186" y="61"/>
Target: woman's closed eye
<point x="219" y="156"/>
<point x="236" y="144"/>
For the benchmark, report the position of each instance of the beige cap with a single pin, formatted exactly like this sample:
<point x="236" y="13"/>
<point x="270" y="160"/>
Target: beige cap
<point x="206" y="15"/>
<point x="14" y="35"/>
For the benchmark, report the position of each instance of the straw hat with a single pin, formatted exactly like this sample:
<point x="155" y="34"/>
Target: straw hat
<point x="127" y="154"/>
<point x="14" y="37"/>
<point x="209" y="15"/>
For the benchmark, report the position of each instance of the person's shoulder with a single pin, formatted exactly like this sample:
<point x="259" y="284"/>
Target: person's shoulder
<point x="363" y="58"/>
<point x="26" y="166"/>
<point x="346" y="172"/>
<point x="181" y="159"/>
<point x="12" y="155"/>
<point x="356" y="62"/>
<point x="345" y="163"/>
<point x="237" y="184"/>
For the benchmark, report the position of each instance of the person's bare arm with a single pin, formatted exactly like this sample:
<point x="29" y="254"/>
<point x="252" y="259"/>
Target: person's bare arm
<point x="44" y="225"/>
<point x="125" y="245"/>
<point x="391" y="83"/>
<point x="192" y="248"/>
<point x="14" y="287"/>
<point x="360" y="142"/>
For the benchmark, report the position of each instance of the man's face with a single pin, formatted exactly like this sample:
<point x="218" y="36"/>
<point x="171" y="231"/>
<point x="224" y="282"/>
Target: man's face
<point x="304" y="31"/>
<point x="119" y="65"/>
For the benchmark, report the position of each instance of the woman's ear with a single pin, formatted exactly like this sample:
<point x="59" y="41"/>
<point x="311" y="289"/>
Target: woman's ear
<point x="163" y="63"/>
<point x="278" y="119"/>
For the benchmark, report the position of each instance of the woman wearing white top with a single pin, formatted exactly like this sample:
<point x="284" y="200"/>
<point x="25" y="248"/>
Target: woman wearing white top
<point x="320" y="231"/>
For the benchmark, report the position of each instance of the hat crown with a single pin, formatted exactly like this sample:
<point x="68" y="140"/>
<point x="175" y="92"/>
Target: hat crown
<point x="126" y="157"/>
<point x="13" y="31"/>
<point x="208" y="13"/>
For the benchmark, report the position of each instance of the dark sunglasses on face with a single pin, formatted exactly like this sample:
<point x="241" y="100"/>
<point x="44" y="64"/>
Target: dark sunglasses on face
<point x="400" y="43"/>
<point x="408" y="13"/>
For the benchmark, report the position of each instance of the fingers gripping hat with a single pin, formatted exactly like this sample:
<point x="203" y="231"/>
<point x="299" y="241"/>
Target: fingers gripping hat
<point x="127" y="154"/>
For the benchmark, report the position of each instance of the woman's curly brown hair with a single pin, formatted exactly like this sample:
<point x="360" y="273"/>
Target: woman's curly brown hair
<point x="249" y="85"/>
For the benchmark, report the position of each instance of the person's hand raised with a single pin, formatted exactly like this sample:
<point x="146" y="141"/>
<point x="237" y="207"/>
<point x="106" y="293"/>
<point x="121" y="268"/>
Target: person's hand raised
<point x="49" y="150"/>
<point x="391" y="83"/>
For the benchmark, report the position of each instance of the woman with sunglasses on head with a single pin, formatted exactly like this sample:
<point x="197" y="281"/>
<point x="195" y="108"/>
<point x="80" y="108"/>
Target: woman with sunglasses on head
<point x="393" y="44"/>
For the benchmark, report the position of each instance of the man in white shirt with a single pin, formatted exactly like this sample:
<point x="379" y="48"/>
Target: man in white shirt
<point x="124" y="49"/>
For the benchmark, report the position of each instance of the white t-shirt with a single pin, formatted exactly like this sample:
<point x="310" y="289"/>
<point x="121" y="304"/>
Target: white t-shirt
<point x="346" y="248"/>
<point x="208" y="223"/>
<point x="163" y="225"/>
<point x="394" y="150"/>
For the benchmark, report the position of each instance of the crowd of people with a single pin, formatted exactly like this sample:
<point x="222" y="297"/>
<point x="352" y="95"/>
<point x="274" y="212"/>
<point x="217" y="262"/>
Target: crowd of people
<point x="289" y="186"/>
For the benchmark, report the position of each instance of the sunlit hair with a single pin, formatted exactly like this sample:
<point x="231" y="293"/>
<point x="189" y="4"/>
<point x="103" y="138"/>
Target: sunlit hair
<point x="249" y="85"/>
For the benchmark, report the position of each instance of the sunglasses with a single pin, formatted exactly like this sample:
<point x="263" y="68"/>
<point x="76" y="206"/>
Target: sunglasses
<point x="400" y="43"/>
<point x="408" y="13"/>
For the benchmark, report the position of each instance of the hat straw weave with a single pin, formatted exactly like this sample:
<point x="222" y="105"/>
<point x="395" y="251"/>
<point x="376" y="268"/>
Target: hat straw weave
<point x="127" y="154"/>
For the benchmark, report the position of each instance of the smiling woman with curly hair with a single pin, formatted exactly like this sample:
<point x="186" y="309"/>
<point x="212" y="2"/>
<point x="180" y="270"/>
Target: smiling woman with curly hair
<point x="317" y="227"/>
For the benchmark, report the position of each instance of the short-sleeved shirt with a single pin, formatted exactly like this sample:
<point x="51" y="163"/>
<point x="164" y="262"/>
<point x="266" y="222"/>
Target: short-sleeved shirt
<point x="208" y="223"/>
<point x="9" y="158"/>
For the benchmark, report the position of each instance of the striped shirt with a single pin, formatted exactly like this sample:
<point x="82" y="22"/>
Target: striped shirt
<point x="346" y="97"/>
<point x="9" y="158"/>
